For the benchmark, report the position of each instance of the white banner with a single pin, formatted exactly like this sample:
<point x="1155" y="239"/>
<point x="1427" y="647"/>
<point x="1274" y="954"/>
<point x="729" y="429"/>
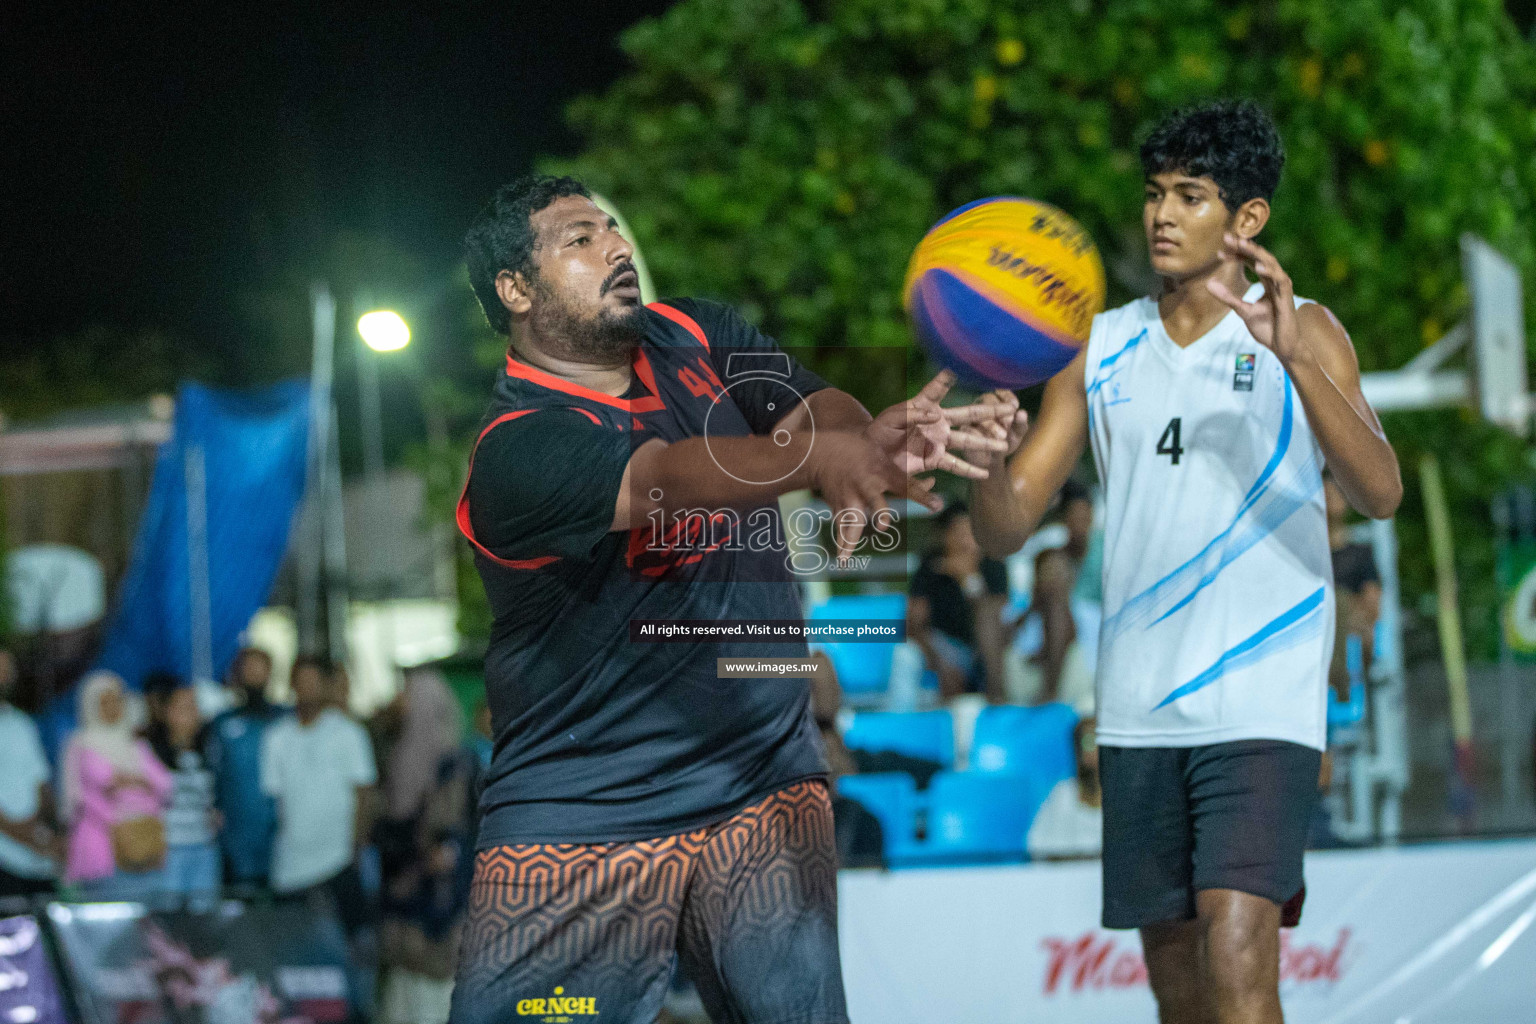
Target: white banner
<point x="1436" y="934"/>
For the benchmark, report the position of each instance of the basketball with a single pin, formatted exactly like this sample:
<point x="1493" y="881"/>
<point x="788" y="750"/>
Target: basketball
<point x="1003" y="291"/>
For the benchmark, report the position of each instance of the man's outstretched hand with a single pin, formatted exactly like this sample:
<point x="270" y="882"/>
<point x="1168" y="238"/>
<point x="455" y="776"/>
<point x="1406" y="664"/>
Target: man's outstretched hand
<point x="921" y="436"/>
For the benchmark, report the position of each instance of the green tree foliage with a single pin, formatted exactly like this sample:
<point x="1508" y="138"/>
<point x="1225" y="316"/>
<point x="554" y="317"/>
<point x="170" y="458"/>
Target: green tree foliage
<point x="93" y="366"/>
<point x="787" y="156"/>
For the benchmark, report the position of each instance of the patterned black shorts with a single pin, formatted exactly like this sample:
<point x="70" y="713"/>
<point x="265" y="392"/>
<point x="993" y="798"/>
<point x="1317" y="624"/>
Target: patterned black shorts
<point x="586" y="934"/>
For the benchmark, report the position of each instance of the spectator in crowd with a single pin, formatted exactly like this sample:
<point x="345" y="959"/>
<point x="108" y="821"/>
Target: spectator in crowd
<point x="826" y="703"/>
<point x="954" y="609"/>
<point x="176" y="735"/>
<point x="1357" y="589"/>
<point x="341" y="688"/>
<point x="1084" y="548"/>
<point x="859" y="837"/>
<point x="1071" y="821"/>
<point x="384" y="726"/>
<point x="115" y="792"/>
<point x="427" y="841"/>
<point x="1045" y="659"/>
<point x="317" y="764"/>
<point x="1042" y="676"/>
<point x="381" y="736"/>
<point x="29" y="847"/>
<point x="233" y="752"/>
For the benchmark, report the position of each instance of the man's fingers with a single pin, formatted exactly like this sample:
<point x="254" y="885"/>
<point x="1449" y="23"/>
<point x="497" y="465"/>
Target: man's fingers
<point x="959" y="467"/>
<point x="1225" y="294"/>
<point x="1002" y="396"/>
<point x="936" y="389"/>
<point x="1242" y="248"/>
<point x="962" y="415"/>
<point x="971" y="441"/>
<point x="1017" y="429"/>
<point x="920" y="490"/>
<point x="920" y="412"/>
<point x="875" y="502"/>
<point x="847" y="530"/>
<point x="1263" y="262"/>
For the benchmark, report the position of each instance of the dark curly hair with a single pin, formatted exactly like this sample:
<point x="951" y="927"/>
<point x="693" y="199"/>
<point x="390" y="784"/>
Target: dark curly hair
<point x="1232" y="142"/>
<point x="502" y="238"/>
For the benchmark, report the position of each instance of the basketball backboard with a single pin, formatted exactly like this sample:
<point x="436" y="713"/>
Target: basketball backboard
<point x="1498" y="335"/>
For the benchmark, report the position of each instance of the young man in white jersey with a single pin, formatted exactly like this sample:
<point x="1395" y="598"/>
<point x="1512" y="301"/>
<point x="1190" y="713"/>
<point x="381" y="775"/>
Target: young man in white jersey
<point x="1211" y="407"/>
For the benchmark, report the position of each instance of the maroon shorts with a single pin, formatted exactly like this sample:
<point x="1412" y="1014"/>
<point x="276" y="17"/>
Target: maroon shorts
<point x="588" y="933"/>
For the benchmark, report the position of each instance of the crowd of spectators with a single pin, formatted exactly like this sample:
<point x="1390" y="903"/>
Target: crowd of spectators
<point x="149" y="803"/>
<point x="375" y="821"/>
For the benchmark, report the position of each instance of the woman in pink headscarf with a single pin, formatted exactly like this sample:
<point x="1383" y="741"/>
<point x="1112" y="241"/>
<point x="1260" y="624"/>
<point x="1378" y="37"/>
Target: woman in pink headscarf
<point x="427" y="844"/>
<point x="110" y="779"/>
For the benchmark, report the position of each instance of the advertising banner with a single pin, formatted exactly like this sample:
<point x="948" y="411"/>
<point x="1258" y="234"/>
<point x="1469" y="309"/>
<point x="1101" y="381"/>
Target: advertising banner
<point x="240" y="964"/>
<point x="1435" y="934"/>
<point x="29" y="993"/>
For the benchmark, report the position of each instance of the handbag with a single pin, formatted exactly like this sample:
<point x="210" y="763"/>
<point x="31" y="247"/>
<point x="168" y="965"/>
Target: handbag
<point x="138" y="844"/>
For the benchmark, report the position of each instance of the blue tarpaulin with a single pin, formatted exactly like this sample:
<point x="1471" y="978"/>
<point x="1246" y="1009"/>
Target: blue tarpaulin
<point x="226" y="489"/>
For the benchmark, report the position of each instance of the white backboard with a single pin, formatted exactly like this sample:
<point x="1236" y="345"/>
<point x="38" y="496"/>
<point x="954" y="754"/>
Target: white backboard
<point x="1498" y="334"/>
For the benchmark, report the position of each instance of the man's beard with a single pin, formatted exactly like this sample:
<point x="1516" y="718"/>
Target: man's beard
<point x="608" y="337"/>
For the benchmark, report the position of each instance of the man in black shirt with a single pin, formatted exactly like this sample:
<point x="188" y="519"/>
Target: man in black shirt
<point x="954" y="609"/>
<point x="636" y="804"/>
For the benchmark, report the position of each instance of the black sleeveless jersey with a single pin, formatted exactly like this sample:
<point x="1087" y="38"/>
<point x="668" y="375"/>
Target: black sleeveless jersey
<point x="599" y="738"/>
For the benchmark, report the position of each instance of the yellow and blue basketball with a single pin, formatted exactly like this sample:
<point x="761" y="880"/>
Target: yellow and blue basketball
<point x="1003" y="291"/>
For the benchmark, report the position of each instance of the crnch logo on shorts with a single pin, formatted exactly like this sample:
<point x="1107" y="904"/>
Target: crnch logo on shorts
<point x="559" y="1008"/>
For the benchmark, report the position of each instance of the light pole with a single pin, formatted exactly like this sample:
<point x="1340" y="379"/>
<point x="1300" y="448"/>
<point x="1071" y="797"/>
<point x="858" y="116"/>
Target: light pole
<point x="382" y="330"/>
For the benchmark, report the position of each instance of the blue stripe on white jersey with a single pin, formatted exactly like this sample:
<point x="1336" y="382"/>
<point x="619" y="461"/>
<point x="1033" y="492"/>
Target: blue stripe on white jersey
<point x="1217" y="576"/>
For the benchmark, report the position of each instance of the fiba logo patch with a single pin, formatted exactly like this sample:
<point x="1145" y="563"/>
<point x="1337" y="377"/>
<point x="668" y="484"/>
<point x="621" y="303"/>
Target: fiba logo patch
<point x="559" y="1008"/>
<point x="1242" y="379"/>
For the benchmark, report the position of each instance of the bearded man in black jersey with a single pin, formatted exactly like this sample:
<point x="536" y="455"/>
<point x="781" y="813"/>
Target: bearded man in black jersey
<point x="639" y="808"/>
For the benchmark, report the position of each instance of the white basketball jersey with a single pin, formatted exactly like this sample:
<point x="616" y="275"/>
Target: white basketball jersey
<point x="1218" y="581"/>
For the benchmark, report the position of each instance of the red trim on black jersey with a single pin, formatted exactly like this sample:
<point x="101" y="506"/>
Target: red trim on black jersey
<point x="461" y="512"/>
<point x="642" y="367"/>
<point x="683" y="320"/>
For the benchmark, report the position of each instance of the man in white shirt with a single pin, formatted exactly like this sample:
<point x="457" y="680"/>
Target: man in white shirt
<point x="27" y="843"/>
<point x="1211" y="408"/>
<point x="318" y="767"/>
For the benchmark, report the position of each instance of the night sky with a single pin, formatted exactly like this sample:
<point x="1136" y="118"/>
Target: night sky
<point x="157" y="164"/>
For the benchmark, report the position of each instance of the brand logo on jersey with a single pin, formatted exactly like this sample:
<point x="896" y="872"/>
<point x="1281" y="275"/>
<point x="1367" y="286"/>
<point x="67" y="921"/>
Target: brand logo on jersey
<point x="559" y="1007"/>
<point x="1242" y="380"/>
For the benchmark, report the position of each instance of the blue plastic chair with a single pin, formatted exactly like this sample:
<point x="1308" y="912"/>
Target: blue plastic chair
<point x="927" y="734"/>
<point x="892" y="798"/>
<point x="1036" y="741"/>
<point x="1352" y="711"/>
<point x="975" y="817"/>
<point x="863" y="669"/>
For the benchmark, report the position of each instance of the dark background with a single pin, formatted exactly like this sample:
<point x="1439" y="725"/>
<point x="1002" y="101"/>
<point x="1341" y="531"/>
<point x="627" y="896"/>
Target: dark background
<point x="160" y="165"/>
<point x="164" y="169"/>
